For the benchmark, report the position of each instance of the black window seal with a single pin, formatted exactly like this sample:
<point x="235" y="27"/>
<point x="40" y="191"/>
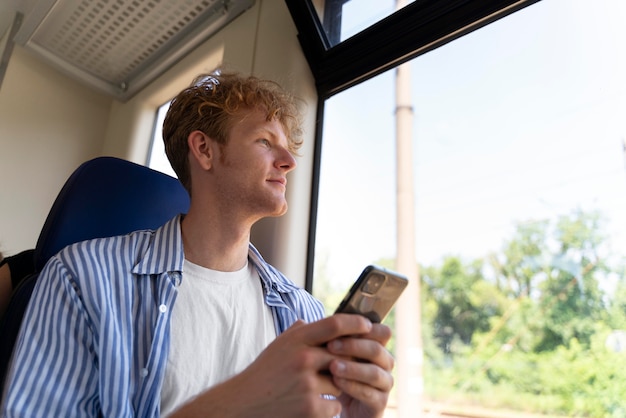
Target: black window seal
<point x="417" y="28"/>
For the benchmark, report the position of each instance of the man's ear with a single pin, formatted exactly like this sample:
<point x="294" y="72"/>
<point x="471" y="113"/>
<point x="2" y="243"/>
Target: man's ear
<point x="202" y="149"/>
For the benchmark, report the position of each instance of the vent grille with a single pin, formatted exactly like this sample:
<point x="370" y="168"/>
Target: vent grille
<point x="116" y="43"/>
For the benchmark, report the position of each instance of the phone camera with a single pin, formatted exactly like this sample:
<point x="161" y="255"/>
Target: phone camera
<point x="374" y="283"/>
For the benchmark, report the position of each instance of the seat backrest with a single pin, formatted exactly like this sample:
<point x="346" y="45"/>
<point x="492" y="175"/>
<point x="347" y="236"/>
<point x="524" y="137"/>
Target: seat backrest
<point x="108" y="196"/>
<point x="104" y="197"/>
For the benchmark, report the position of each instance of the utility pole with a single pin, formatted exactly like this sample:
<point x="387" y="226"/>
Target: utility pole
<point x="409" y="346"/>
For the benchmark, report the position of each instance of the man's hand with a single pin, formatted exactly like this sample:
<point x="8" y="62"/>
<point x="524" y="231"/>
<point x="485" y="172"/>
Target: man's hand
<point x="290" y="376"/>
<point x="363" y="374"/>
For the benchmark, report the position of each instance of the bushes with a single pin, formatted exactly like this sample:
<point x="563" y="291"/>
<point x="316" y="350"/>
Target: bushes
<point x="526" y="328"/>
<point x="572" y="381"/>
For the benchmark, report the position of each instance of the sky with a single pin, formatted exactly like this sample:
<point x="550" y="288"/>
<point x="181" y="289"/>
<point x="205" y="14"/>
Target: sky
<point x="523" y="119"/>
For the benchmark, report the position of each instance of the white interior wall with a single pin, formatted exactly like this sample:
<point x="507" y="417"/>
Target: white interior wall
<point x="49" y="125"/>
<point x="69" y="124"/>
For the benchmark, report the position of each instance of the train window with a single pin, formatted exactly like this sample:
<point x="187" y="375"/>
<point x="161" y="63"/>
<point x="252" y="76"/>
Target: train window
<point x="157" y="159"/>
<point x="342" y="19"/>
<point x="519" y="167"/>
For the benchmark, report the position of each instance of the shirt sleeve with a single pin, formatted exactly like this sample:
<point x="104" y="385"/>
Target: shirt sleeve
<point x="54" y="366"/>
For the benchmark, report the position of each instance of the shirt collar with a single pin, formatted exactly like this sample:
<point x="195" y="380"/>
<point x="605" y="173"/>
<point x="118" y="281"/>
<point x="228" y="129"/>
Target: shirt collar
<point x="165" y="253"/>
<point x="271" y="278"/>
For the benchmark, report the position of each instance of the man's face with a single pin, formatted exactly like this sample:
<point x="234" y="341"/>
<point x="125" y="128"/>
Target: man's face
<point x="253" y="165"/>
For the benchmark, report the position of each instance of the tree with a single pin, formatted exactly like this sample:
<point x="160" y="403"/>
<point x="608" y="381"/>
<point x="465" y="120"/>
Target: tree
<point x="459" y="293"/>
<point x="572" y="301"/>
<point x="521" y="264"/>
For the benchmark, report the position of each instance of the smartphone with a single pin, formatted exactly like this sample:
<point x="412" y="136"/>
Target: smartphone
<point x="374" y="293"/>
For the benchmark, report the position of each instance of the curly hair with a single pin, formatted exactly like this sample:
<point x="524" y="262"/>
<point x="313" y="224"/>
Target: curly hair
<point x="210" y="104"/>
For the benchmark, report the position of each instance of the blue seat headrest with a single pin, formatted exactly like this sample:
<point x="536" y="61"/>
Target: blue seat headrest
<point x="108" y="196"/>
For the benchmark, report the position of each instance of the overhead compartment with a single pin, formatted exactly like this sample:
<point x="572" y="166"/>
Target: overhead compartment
<point x="119" y="46"/>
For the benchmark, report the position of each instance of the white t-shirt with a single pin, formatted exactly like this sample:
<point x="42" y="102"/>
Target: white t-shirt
<point x="220" y="325"/>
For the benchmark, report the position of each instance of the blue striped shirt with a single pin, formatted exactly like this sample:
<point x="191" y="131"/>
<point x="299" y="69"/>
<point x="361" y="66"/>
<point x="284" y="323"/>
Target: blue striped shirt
<point x="95" y="337"/>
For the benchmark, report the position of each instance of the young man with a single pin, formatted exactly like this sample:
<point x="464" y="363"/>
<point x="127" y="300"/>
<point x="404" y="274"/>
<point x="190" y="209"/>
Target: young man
<point x="189" y="320"/>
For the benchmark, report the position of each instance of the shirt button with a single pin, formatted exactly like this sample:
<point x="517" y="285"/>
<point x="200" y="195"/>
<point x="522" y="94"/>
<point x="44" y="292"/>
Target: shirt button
<point x="143" y="372"/>
<point x="163" y="308"/>
<point x="176" y="277"/>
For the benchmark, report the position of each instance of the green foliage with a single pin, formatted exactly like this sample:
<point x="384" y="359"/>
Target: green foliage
<point x="616" y="309"/>
<point x="464" y="302"/>
<point x="521" y="261"/>
<point x="526" y="328"/>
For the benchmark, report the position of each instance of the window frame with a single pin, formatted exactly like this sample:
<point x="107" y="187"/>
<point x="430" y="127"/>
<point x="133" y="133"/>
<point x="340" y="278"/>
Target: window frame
<point x="417" y="28"/>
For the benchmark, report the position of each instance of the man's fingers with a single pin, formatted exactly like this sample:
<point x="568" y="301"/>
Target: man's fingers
<point x="380" y="333"/>
<point x="364" y="382"/>
<point x="327" y="385"/>
<point x="340" y="325"/>
<point x="362" y="369"/>
<point x="364" y="374"/>
<point x="367" y="348"/>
